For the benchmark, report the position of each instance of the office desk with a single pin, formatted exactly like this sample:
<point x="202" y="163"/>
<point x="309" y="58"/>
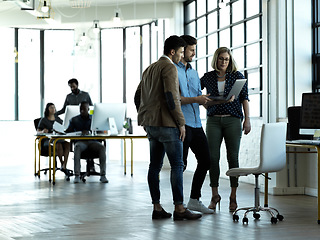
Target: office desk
<point x="309" y="144"/>
<point x="300" y="144"/>
<point x="54" y="138"/>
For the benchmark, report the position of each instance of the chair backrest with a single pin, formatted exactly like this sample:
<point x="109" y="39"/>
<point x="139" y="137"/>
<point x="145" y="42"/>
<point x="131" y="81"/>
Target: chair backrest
<point x="36" y="122"/>
<point x="273" y="147"/>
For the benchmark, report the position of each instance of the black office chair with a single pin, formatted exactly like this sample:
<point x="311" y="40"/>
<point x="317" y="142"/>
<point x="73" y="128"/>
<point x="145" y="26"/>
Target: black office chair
<point x="89" y="156"/>
<point x="293" y="126"/>
<point x="44" y="152"/>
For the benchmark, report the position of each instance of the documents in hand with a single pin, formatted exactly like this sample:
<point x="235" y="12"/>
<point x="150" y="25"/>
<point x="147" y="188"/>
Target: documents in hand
<point x="59" y="128"/>
<point x="235" y="90"/>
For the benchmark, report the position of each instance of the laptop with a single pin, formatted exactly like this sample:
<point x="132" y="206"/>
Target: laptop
<point x="235" y="90"/>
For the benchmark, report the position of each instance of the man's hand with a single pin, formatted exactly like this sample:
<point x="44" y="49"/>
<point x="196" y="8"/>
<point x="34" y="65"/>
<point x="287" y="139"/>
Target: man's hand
<point x="182" y="132"/>
<point x="203" y="99"/>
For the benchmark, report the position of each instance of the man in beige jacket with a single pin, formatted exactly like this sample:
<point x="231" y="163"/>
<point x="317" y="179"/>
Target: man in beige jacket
<point x="159" y="111"/>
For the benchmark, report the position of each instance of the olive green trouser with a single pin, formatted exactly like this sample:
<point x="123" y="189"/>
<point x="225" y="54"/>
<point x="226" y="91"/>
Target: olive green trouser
<point x="227" y="128"/>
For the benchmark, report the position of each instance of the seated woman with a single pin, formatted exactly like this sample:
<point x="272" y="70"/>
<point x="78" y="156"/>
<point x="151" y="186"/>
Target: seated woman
<point x="46" y="126"/>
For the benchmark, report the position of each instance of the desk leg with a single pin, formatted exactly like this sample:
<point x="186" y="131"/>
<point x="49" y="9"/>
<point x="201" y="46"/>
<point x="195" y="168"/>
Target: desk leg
<point x="318" y="152"/>
<point x="35" y="157"/>
<point x="131" y="157"/>
<point x="39" y="155"/>
<point x="125" y="156"/>
<point x="54" y="162"/>
<point x="266" y="187"/>
<point x="50" y="160"/>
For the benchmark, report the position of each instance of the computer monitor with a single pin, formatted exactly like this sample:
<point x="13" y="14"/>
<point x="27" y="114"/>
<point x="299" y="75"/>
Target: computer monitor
<point x="310" y="113"/>
<point x="72" y="111"/>
<point x="102" y="114"/>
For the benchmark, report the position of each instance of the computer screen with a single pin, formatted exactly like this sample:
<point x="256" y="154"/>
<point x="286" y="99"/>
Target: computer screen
<point x="104" y="111"/>
<point x="72" y="111"/>
<point x="310" y="113"/>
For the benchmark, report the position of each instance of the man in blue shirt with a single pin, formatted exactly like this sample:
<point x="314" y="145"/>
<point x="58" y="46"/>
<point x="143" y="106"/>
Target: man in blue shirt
<point x="82" y="123"/>
<point x="191" y="98"/>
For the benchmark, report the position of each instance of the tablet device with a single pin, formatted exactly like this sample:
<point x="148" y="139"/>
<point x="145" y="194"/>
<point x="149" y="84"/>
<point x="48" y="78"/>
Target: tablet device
<point x="235" y="90"/>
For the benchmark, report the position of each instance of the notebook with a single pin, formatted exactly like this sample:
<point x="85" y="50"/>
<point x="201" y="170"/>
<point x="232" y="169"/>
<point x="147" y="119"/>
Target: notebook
<point x="235" y="90"/>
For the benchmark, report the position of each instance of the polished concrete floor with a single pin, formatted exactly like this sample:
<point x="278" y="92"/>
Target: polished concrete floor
<point x="32" y="208"/>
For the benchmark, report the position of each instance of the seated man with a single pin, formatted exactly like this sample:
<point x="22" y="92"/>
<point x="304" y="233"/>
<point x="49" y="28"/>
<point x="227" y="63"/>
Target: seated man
<point x="82" y="123"/>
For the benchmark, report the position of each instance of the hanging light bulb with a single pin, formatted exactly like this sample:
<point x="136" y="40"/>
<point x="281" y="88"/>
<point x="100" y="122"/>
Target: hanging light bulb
<point x="96" y="28"/>
<point x="116" y="18"/>
<point x="222" y="3"/>
<point x="44" y="7"/>
<point x="90" y="49"/>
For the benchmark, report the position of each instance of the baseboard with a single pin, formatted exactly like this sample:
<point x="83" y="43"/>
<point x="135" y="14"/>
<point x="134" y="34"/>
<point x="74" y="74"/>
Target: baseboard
<point x="287" y="191"/>
<point x="311" y="191"/>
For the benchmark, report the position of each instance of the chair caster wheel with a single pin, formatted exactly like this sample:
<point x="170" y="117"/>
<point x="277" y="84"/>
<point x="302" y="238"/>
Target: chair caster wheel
<point x="45" y="172"/>
<point x="245" y="220"/>
<point x="84" y="180"/>
<point x="235" y="218"/>
<point x="68" y="179"/>
<point x="256" y="215"/>
<point x="280" y="217"/>
<point x="274" y="220"/>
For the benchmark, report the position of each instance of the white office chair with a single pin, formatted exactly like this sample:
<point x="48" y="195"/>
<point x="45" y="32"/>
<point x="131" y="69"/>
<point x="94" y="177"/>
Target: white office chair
<point x="272" y="159"/>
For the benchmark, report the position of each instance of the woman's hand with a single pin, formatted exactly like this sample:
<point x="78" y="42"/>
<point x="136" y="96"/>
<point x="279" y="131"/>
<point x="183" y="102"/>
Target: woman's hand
<point x="246" y="126"/>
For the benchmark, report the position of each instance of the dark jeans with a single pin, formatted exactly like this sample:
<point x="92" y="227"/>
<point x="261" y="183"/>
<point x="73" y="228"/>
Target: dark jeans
<point x="165" y="140"/>
<point x="196" y="140"/>
<point x="229" y="129"/>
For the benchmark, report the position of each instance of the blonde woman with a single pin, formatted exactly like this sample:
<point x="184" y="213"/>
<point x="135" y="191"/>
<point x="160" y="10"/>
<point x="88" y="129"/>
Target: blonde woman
<point x="225" y="121"/>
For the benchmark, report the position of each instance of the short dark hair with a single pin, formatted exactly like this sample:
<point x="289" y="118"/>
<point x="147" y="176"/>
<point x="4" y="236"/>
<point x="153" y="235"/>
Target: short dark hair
<point x="84" y="103"/>
<point x="189" y="39"/>
<point x="173" y="42"/>
<point x="46" y="111"/>
<point x="73" y="80"/>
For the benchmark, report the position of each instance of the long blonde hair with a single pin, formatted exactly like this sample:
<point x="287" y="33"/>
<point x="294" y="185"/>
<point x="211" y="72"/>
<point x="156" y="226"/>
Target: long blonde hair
<point x="232" y="67"/>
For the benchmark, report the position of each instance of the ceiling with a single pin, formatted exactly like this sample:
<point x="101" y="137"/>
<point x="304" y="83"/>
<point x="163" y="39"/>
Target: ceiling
<point x="63" y="16"/>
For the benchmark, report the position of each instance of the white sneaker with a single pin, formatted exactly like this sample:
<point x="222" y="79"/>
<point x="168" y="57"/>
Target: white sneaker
<point x="103" y="179"/>
<point x="197" y="205"/>
<point x="76" y="179"/>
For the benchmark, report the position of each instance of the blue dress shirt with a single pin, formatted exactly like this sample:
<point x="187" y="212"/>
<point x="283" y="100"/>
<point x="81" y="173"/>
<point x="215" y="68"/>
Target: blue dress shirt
<point x="190" y="87"/>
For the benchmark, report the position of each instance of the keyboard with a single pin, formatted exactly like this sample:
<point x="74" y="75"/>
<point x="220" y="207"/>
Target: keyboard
<point x="305" y="141"/>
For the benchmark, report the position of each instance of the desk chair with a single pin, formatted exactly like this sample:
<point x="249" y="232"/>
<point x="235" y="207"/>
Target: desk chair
<point x="89" y="156"/>
<point x="272" y="159"/>
<point x="45" y="153"/>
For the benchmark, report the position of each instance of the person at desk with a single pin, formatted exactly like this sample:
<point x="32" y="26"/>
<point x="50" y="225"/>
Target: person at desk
<point x="224" y="120"/>
<point x="157" y="99"/>
<point x="46" y="126"/>
<point x="75" y="97"/>
<point x="82" y="122"/>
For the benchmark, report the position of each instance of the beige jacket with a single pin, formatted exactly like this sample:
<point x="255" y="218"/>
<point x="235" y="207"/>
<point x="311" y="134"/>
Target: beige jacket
<point x="160" y="103"/>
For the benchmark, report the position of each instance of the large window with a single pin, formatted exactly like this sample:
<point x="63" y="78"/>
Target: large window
<point x="58" y="68"/>
<point x="112" y="65"/>
<point x="29" y="74"/>
<point x="125" y="56"/>
<point x="316" y="46"/>
<point x="46" y="59"/>
<point x="236" y="26"/>
<point x="8" y="57"/>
